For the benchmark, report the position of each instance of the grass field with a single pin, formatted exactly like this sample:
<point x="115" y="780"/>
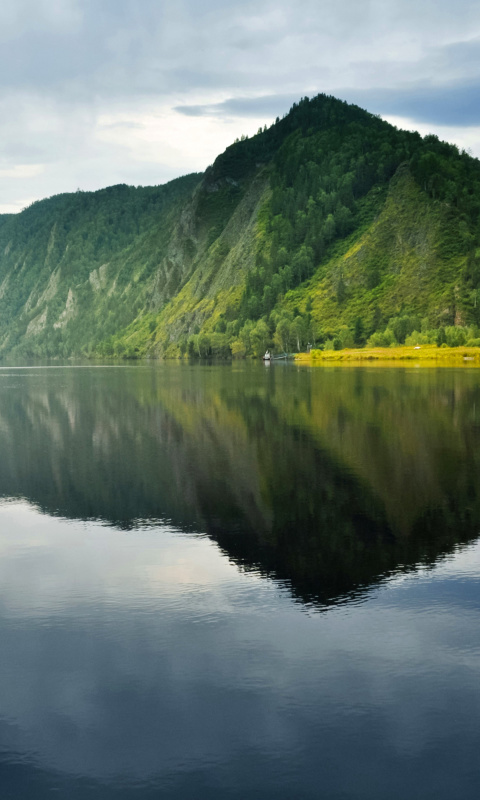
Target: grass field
<point x="426" y="355"/>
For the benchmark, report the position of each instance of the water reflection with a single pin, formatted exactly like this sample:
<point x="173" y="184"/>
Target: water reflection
<point x="326" y="479"/>
<point x="144" y="654"/>
<point x="144" y="664"/>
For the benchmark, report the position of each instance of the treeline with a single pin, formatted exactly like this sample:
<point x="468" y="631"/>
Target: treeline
<point x="412" y="331"/>
<point x="292" y="331"/>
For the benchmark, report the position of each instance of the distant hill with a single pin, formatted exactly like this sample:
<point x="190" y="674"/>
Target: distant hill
<point x="330" y="227"/>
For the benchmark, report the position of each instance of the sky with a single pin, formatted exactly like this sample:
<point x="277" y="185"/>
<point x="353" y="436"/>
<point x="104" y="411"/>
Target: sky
<point x="99" y="92"/>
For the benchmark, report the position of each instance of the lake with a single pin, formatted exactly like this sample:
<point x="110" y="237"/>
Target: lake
<point x="239" y="581"/>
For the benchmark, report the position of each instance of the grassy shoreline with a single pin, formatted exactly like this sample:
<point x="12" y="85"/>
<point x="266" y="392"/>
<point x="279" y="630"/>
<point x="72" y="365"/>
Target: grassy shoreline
<point x="427" y="355"/>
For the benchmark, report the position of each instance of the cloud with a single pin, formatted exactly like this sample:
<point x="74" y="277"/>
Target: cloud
<point x="457" y="104"/>
<point x="264" y="106"/>
<point x="22" y="171"/>
<point x="123" y="124"/>
<point x="121" y="48"/>
<point x="454" y="105"/>
<point x="211" y="71"/>
<point x="459" y="59"/>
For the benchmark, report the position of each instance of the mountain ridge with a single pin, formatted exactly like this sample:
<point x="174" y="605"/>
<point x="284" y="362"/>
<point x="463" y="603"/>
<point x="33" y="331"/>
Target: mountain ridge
<point x="330" y="227"/>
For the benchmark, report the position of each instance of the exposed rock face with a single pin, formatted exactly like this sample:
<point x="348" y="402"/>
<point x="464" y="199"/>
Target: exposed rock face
<point x="68" y="313"/>
<point x="37" y="324"/>
<point x="58" y="292"/>
<point x="98" y="278"/>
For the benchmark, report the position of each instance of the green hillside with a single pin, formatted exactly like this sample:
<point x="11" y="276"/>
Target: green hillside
<point x="330" y="227"/>
<point x="77" y="267"/>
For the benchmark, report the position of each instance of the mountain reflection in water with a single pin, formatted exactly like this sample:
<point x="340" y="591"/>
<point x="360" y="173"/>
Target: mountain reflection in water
<point x="326" y="479"/>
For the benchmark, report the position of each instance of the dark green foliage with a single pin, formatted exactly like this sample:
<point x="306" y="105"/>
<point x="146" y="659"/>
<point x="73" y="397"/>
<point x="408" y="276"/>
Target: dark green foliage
<point x="403" y="326"/>
<point x="450" y="176"/>
<point x="359" y="332"/>
<point x="441" y="338"/>
<point x="218" y="202"/>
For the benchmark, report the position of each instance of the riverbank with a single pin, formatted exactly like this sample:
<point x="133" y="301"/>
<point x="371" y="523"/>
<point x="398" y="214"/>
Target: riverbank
<point x="426" y="355"/>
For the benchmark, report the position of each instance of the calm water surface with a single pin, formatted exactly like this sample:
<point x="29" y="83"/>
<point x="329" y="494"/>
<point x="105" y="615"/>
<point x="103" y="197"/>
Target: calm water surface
<point x="239" y="582"/>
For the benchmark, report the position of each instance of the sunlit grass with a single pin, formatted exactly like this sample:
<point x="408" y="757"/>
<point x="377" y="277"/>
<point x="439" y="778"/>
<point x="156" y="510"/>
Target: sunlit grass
<point x="426" y="354"/>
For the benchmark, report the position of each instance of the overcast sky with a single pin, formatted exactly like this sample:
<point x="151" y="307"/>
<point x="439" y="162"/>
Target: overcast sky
<point x="98" y="92"/>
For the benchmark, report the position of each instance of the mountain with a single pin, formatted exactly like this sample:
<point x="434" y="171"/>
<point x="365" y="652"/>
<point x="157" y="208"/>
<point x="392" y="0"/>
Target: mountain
<point x="330" y="226"/>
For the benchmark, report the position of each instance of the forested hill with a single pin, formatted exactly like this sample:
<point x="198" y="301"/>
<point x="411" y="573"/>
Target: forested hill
<point x="331" y="226"/>
<point x="76" y="268"/>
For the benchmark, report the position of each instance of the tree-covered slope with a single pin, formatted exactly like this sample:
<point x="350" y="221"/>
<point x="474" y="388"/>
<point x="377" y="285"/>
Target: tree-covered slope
<point x="358" y="227"/>
<point x="330" y="226"/>
<point x="411" y="260"/>
<point x="77" y="267"/>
